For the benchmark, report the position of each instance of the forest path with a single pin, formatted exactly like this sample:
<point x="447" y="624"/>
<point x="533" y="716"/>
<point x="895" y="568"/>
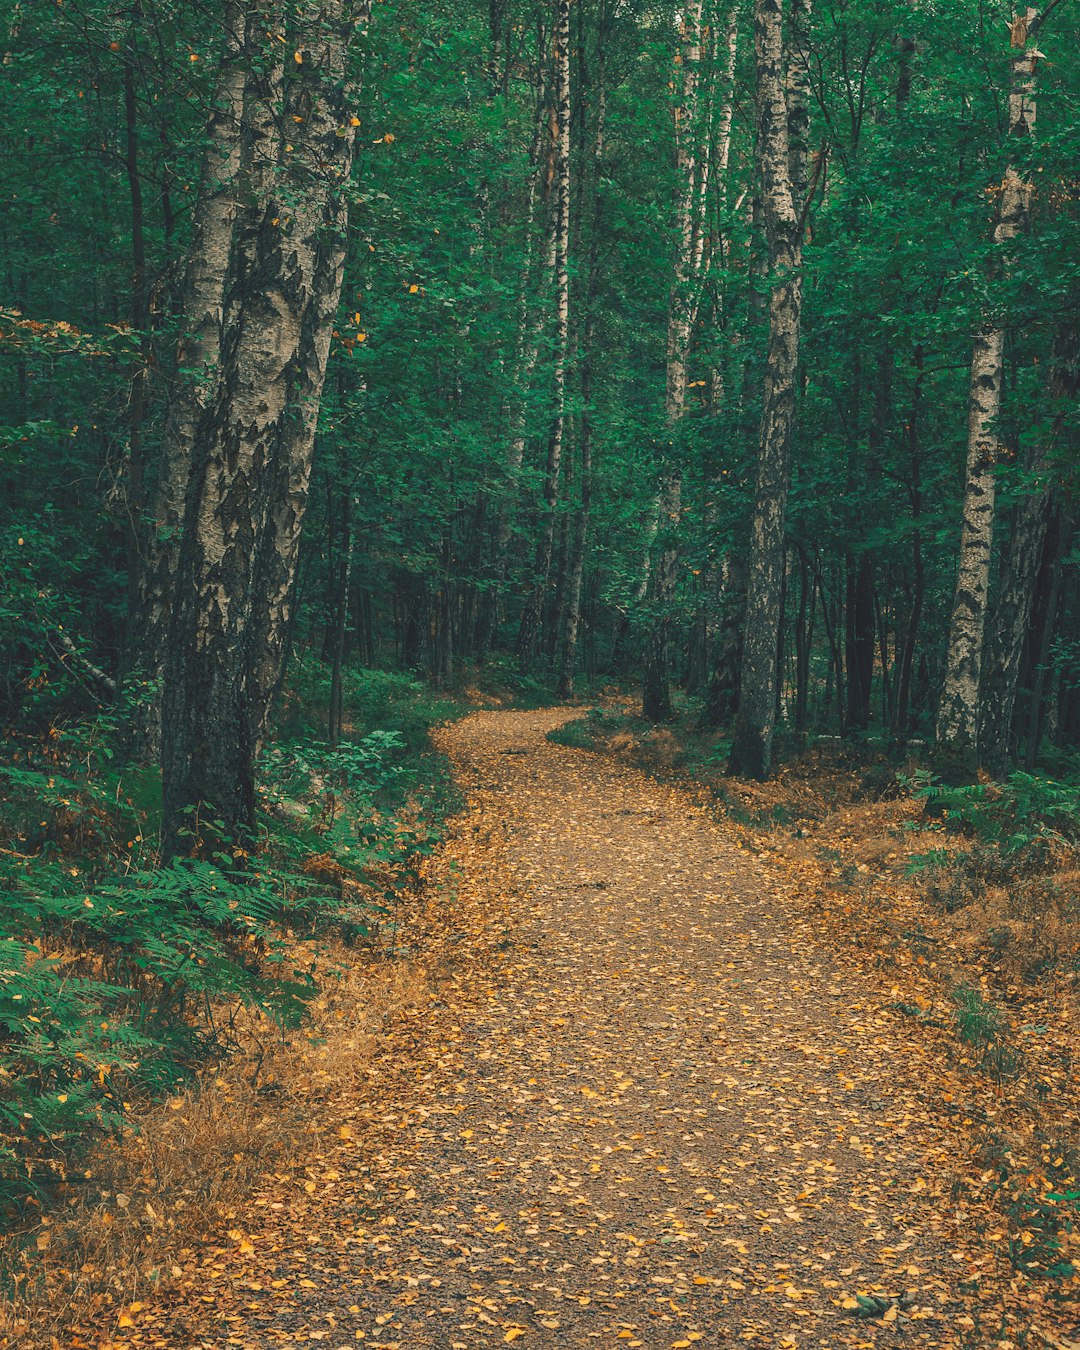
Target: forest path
<point x="645" y="1108"/>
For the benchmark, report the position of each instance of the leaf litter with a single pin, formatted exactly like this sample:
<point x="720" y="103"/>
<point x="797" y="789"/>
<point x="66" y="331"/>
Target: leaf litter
<point x="644" y="1107"/>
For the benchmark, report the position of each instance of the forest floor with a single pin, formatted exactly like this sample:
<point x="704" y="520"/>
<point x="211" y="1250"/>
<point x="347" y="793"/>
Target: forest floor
<point x="635" y="1097"/>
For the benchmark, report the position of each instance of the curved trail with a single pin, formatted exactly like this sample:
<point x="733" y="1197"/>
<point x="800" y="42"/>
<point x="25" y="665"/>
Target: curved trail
<point x="656" y="1114"/>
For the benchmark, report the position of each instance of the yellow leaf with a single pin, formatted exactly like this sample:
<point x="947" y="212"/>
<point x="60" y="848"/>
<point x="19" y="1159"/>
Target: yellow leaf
<point x="513" y="1334"/>
<point x="298" y="57"/>
<point x="354" y="121"/>
<point x="413" y="289"/>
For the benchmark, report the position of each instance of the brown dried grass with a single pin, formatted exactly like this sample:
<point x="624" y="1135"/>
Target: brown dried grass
<point x="184" y="1166"/>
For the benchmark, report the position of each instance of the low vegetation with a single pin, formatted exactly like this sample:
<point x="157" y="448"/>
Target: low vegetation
<point x="125" y="982"/>
<point x="967" y="898"/>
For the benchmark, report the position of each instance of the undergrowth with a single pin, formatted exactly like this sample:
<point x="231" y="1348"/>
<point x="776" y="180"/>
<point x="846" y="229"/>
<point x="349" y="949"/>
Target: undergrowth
<point x="119" y="977"/>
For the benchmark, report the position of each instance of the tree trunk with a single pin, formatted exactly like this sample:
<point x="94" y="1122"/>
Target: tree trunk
<point x="859" y="640"/>
<point x="341" y="625"/>
<point x="252" y="462"/>
<point x="534" y="605"/>
<point x="568" y="654"/>
<point x="918" y="586"/>
<point x="958" y="709"/>
<point x="751" y="750"/>
<point x="682" y="305"/>
<point x="1013" y="611"/>
<point x="194" y="378"/>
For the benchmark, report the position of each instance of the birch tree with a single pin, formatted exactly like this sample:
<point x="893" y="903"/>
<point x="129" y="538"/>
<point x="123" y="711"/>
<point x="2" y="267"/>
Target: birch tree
<point x="247" y="489"/>
<point x="751" y="750"/>
<point x="689" y="202"/>
<point x="194" y="378"/>
<point x="534" y="605"/>
<point x="958" y="709"/>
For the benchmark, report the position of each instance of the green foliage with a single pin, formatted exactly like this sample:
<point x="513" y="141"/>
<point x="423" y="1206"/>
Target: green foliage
<point x="1024" y="814"/>
<point x="982" y="1026"/>
<point x="110" y="991"/>
<point x="1041" y="1204"/>
<point x="120" y="977"/>
<point x="584" y="733"/>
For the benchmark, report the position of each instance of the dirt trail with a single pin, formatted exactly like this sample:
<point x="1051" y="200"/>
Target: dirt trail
<point x="655" y="1114"/>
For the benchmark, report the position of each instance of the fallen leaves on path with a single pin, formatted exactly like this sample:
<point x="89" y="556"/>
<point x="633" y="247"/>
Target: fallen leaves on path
<point x="643" y="1106"/>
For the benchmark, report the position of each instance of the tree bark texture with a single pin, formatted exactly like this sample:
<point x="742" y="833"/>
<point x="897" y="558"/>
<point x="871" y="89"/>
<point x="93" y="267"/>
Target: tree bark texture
<point x="958" y="709"/>
<point x="751" y="751"/>
<point x="534" y="605"/>
<point x="195" y="374"/>
<point x="251" y="464"/>
<point x="682" y="306"/>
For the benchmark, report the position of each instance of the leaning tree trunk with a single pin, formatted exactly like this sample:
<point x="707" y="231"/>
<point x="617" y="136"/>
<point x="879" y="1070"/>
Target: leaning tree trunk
<point x="656" y="689"/>
<point x="958" y="709"/>
<point x="1012" y="613"/>
<point x="755" y="722"/>
<point x="194" y="379"/>
<point x="252" y="460"/>
<point x="528" y="631"/>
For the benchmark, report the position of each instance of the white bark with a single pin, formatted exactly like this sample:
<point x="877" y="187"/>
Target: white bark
<point x="958" y="710"/>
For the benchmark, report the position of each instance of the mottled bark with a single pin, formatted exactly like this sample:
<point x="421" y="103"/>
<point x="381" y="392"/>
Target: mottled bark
<point x="958" y="709"/>
<point x="247" y="490"/>
<point x="751" y="750"/>
<point x="682" y="306"/>
<point x="534" y="604"/>
<point x="195" y="375"/>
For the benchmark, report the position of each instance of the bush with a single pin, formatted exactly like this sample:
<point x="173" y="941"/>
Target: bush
<point x="1021" y="815"/>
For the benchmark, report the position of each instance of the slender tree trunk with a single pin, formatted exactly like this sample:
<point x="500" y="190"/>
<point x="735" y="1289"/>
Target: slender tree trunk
<point x="195" y="375"/>
<point x="341" y="625"/>
<point x="918" y="586"/>
<point x="958" y="709"/>
<point x="722" y="702"/>
<point x="804" y="643"/>
<point x="140" y="318"/>
<point x="1013" y="610"/>
<point x="682" y="305"/>
<point x="534" y="605"/>
<point x="859" y="640"/>
<point x="568" y="655"/>
<point x="252" y="462"/>
<point x="530" y="327"/>
<point x="1057" y="545"/>
<point x="751" y="750"/>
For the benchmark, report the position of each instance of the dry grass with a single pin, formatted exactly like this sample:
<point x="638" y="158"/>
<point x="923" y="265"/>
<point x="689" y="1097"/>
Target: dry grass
<point x="184" y="1166"/>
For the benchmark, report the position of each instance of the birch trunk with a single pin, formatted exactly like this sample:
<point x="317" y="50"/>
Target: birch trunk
<point x="195" y="375"/>
<point x="534" y="605"/>
<point x="251" y="465"/>
<point x="568" y="654"/>
<point x="958" y="709"/>
<point x="755" y="722"/>
<point x="656" y="687"/>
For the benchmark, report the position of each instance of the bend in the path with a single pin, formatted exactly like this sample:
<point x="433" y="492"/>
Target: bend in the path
<point x="664" y="1116"/>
